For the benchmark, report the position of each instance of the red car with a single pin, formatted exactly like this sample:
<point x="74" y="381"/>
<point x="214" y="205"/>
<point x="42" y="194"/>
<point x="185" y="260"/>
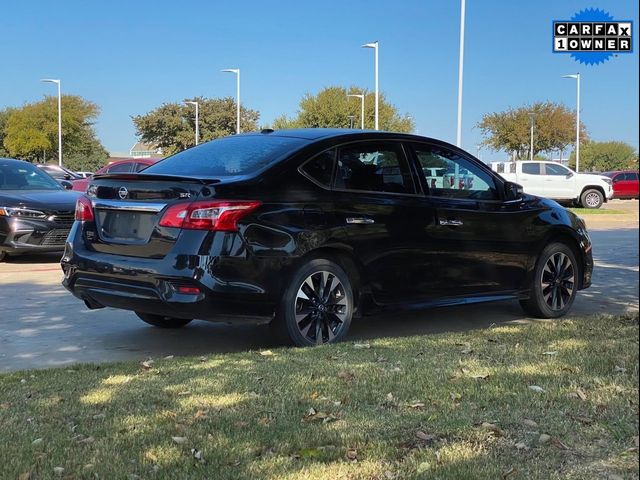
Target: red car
<point x="625" y="183"/>
<point x="119" y="166"/>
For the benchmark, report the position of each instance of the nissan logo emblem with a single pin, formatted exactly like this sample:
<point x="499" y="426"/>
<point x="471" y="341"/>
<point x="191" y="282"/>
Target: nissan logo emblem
<point x="123" y="192"/>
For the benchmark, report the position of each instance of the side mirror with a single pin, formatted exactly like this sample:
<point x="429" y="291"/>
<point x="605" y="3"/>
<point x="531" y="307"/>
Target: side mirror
<point x="513" y="191"/>
<point x="66" y="184"/>
<point x="569" y="175"/>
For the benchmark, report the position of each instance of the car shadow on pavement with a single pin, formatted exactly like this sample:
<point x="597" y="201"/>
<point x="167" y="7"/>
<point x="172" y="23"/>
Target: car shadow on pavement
<point x="33" y="258"/>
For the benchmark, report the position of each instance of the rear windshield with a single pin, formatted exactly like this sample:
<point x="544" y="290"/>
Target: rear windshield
<point x="227" y="156"/>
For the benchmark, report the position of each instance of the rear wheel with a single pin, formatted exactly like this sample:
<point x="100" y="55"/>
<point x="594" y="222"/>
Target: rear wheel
<point x="3" y="256"/>
<point x="592" y="199"/>
<point x="555" y="283"/>
<point x="316" y="307"/>
<point x="162" y="321"/>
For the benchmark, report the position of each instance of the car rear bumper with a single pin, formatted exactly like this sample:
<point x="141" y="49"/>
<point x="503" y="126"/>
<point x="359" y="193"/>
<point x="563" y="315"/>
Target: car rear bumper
<point x="220" y="288"/>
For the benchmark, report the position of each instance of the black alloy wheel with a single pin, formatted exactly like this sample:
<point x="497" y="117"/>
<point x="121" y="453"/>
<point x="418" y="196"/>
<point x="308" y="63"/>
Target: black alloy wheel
<point x="555" y="282"/>
<point x="317" y="306"/>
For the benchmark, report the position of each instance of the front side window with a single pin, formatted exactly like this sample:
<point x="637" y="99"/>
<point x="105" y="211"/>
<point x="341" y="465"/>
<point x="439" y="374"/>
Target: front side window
<point x="374" y="167"/>
<point x="25" y="177"/>
<point x="320" y="168"/>
<point x="630" y="176"/>
<point x="554" y="169"/>
<point x="447" y="174"/>
<point x="531" y="168"/>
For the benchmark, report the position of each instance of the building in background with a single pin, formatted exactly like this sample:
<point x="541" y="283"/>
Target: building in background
<point x="145" y="150"/>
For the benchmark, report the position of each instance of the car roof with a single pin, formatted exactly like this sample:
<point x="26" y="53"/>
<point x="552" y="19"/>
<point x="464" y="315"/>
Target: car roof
<point x="325" y="133"/>
<point x="13" y="160"/>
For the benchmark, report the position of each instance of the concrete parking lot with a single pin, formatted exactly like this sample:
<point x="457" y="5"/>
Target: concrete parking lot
<point x="42" y="325"/>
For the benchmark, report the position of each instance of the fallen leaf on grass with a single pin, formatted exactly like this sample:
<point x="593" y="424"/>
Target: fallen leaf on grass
<point x="25" y="476"/>
<point x="536" y="388"/>
<point x="313" y="416"/>
<point x="508" y="473"/>
<point x="99" y="416"/>
<point x="37" y="441"/>
<point x="416" y="405"/>
<point x="455" y="397"/>
<point x="620" y="369"/>
<point x="580" y="418"/>
<point x="201" y="414"/>
<point x="530" y="423"/>
<point x="58" y="470"/>
<point x="544" y="438"/>
<point x="521" y="446"/>
<point x="266" y="353"/>
<point x="352" y="454"/>
<point x="264" y="421"/>
<point x="197" y="454"/>
<point x="147" y="364"/>
<point x="550" y="353"/>
<point x="184" y="393"/>
<point x="493" y="428"/>
<point x="362" y="345"/>
<point x="482" y="376"/>
<point x="558" y="444"/>
<point x="87" y="440"/>
<point x="179" y="440"/>
<point x="168" y="357"/>
<point x="425" y="437"/>
<point x="346" y="376"/>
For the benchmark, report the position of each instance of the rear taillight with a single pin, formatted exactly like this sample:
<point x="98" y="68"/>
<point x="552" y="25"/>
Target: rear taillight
<point x="207" y="215"/>
<point x="84" y="209"/>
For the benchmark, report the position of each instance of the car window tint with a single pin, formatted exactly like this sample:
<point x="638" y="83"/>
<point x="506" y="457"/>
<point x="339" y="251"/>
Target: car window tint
<point x="229" y="156"/>
<point x="120" y="168"/>
<point x="552" y="169"/>
<point x="531" y="168"/>
<point x="631" y="176"/>
<point x="140" y="166"/>
<point x="449" y="175"/>
<point x="320" y="168"/>
<point x="374" y="167"/>
<point x="25" y="177"/>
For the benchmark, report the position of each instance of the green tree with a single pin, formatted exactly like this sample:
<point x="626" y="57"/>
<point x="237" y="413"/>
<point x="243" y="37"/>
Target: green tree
<point x="606" y="156"/>
<point x="331" y="108"/>
<point x="171" y="126"/>
<point x="4" y="116"/>
<point x="31" y="132"/>
<point x="510" y="130"/>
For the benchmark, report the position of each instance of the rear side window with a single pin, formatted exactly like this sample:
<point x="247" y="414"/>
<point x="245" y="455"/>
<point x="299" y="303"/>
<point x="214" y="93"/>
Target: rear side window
<point x="120" y="168"/>
<point x="631" y="176"/>
<point x="140" y="166"/>
<point x="320" y="168"/>
<point x="237" y="155"/>
<point x="531" y="168"/>
<point x="374" y="167"/>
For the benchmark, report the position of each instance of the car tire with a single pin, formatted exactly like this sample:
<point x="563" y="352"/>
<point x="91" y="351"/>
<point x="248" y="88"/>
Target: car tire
<point x="3" y="256"/>
<point x="163" y="321"/>
<point x="555" y="282"/>
<point x="591" y="198"/>
<point x="316" y="307"/>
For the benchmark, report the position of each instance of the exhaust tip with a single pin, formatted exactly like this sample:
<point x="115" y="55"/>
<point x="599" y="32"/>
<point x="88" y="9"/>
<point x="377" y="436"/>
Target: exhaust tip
<point x="92" y="304"/>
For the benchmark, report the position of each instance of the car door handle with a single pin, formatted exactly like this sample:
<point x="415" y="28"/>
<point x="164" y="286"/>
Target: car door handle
<point x="450" y="223"/>
<point x="360" y="220"/>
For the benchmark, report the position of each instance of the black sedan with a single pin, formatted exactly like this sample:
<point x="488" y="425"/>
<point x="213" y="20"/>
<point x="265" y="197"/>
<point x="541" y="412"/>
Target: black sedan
<point x="310" y="227"/>
<point x="36" y="212"/>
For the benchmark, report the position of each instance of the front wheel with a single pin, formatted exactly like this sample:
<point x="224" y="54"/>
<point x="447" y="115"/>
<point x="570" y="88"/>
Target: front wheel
<point x="162" y="321"/>
<point x="555" y="283"/>
<point x="3" y="256"/>
<point x="591" y="199"/>
<point x="316" y="307"/>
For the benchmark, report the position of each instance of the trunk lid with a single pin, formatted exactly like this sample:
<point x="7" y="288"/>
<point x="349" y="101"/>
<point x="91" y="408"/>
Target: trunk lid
<point x="128" y="207"/>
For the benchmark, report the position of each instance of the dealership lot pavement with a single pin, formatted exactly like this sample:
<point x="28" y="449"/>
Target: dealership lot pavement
<point x="42" y="325"/>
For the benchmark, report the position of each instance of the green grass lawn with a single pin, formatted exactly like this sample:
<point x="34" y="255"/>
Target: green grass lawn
<point x="545" y="400"/>
<point x="598" y="211"/>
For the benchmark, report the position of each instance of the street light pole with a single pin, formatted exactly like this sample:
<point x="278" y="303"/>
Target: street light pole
<point x="237" y="72"/>
<point x="197" y="119"/>
<point x="57" y="82"/>
<point x="460" y="69"/>
<point x="577" y="77"/>
<point x="361" y="97"/>
<point x="531" y="119"/>
<point x="374" y="45"/>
